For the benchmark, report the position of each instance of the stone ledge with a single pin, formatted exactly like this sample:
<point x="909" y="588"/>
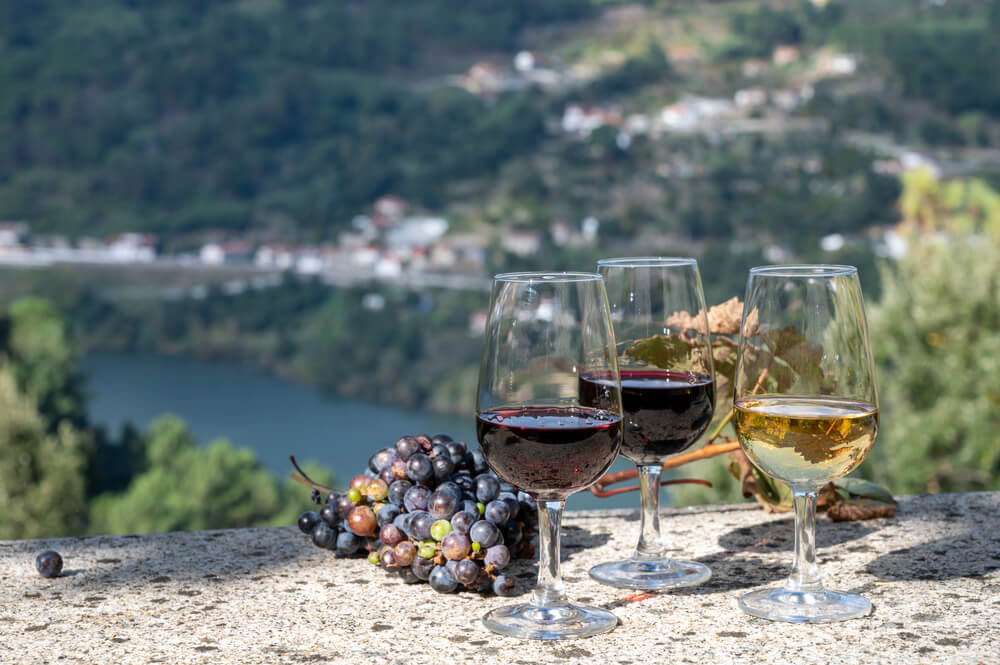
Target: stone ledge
<point x="268" y="596"/>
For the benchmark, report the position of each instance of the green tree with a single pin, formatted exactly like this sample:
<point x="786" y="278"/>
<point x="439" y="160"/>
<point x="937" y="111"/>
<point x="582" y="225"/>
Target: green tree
<point x="42" y="473"/>
<point x="44" y="360"/>
<point x="936" y="338"/>
<point x="187" y="487"/>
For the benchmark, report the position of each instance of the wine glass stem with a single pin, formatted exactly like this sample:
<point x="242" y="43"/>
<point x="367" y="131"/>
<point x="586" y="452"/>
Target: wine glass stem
<point x="805" y="572"/>
<point x="650" y="544"/>
<point x="549" y="592"/>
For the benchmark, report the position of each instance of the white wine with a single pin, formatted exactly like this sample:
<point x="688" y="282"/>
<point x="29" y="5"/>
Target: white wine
<point x="805" y="441"/>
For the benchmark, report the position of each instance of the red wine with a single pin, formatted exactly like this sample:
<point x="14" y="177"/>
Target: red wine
<point x="665" y="412"/>
<point x="549" y="451"/>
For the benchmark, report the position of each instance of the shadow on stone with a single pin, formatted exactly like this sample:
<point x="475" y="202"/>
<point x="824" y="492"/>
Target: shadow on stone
<point x="576" y="538"/>
<point x="732" y="570"/>
<point x="779" y="536"/>
<point x="969" y="554"/>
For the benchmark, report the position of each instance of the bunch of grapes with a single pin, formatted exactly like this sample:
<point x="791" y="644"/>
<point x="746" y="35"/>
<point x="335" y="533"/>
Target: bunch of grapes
<point x="430" y="510"/>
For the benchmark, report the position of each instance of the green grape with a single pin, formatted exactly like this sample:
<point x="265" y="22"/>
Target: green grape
<point x="427" y="551"/>
<point x="373" y="558"/>
<point x="476" y="546"/>
<point x="354" y="494"/>
<point x="440" y="529"/>
<point x="482" y="507"/>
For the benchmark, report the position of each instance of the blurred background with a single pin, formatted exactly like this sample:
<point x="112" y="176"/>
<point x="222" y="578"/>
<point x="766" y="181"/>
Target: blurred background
<point x="275" y="220"/>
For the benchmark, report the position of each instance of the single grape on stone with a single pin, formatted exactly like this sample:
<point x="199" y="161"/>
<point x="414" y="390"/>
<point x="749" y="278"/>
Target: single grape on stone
<point x="49" y="563"/>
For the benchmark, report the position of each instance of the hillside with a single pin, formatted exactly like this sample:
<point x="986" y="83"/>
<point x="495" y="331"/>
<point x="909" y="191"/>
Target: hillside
<point x="282" y="120"/>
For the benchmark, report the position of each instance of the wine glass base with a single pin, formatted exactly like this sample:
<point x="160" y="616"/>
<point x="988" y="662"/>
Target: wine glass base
<point x="651" y="575"/>
<point x="804" y="606"/>
<point x="549" y="623"/>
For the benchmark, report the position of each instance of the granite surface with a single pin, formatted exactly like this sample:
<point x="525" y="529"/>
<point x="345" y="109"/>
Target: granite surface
<point x="268" y="596"/>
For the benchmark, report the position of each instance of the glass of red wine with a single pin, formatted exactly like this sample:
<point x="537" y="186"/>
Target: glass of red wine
<point x="545" y="331"/>
<point x="668" y="396"/>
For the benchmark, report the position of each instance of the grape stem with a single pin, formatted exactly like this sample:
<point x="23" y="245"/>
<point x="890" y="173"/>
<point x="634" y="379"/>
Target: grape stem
<point x="302" y="477"/>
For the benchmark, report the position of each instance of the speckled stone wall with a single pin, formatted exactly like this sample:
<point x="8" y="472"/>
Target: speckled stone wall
<point x="268" y="596"/>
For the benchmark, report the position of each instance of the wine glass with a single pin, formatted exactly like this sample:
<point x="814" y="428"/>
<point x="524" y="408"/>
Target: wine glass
<point x="668" y="397"/>
<point x="545" y="331"/>
<point x="806" y="411"/>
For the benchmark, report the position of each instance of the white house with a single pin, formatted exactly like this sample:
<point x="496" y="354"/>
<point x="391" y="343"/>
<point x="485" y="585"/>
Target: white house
<point x="132" y="247"/>
<point x="522" y="243"/>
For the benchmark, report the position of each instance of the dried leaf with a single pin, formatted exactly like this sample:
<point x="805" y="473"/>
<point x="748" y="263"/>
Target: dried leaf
<point x="724" y="319"/>
<point x="860" y="509"/>
<point x="664" y="351"/>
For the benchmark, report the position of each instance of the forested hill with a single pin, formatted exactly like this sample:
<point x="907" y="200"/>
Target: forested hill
<point x="191" y="114"/>
<point x="290" y="117"/>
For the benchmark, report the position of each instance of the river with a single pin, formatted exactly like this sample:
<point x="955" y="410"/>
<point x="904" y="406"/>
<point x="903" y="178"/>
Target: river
<point x="271" y="416"/>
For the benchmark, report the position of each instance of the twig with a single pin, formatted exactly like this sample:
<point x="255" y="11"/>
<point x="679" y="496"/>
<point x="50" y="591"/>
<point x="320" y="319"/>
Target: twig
<point x="603" y="493"/>
<point x="710" y="450"/>
<point x="301" y="477"/>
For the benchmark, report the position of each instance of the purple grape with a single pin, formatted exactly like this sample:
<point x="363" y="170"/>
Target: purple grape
<point x="497" y="556"/>
<point x="487" y="487"/>
<point x="456" y="546"/>
<point x="328" y="513"/>
<point x="512" y="533"/>
<point x="416" y="498"/>
<point x="442" y="505"/>
<point x="485" y="533"/>
<point x="406" y="446"/>
<point x="49" y="563"/>
<point x="497" y="512"/>
<point x="462" y="521"/>
<point x="503" y="585"/>
<point x="422" y="567"/>
<point x="513" y="505"/>
<point x="391" y="535"/>
<point x="323" y="535"/>
<point x="344" y="506"/>
<point x="387" y="514"/>
<point x="381" y="459"/>
<point x="467" y="572"/>
<point x="451" y="487"/>
<point x="419" y="468"/>
<point x="456" y="451"/>
<point x="477" y="462"/>
<point x="441" y="580"/>
<point x="443" y="466"/>
<point x="307" y="521"/>
<point x="405" y="552"/>
<point x="348" y="543"/>
<point x="397" y="490"/>
<point x="420" y="525"/>
<point x="441" y="438"/>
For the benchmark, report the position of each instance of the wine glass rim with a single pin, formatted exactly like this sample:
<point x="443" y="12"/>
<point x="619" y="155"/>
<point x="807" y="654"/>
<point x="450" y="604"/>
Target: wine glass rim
<point x="550" y="277"/>
<point x="647" y="262"/>
<point x="804" y="270"/>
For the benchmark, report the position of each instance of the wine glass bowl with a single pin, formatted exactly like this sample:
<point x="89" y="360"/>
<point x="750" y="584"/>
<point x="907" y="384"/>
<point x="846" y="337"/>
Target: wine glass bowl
<point x="668" y="396"/>
<point x="805" y="411"/>
<point x="544" y="331"/>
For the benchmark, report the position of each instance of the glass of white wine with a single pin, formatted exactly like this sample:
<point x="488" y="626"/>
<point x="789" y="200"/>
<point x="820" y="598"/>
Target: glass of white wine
<point x="806" y="411"/>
